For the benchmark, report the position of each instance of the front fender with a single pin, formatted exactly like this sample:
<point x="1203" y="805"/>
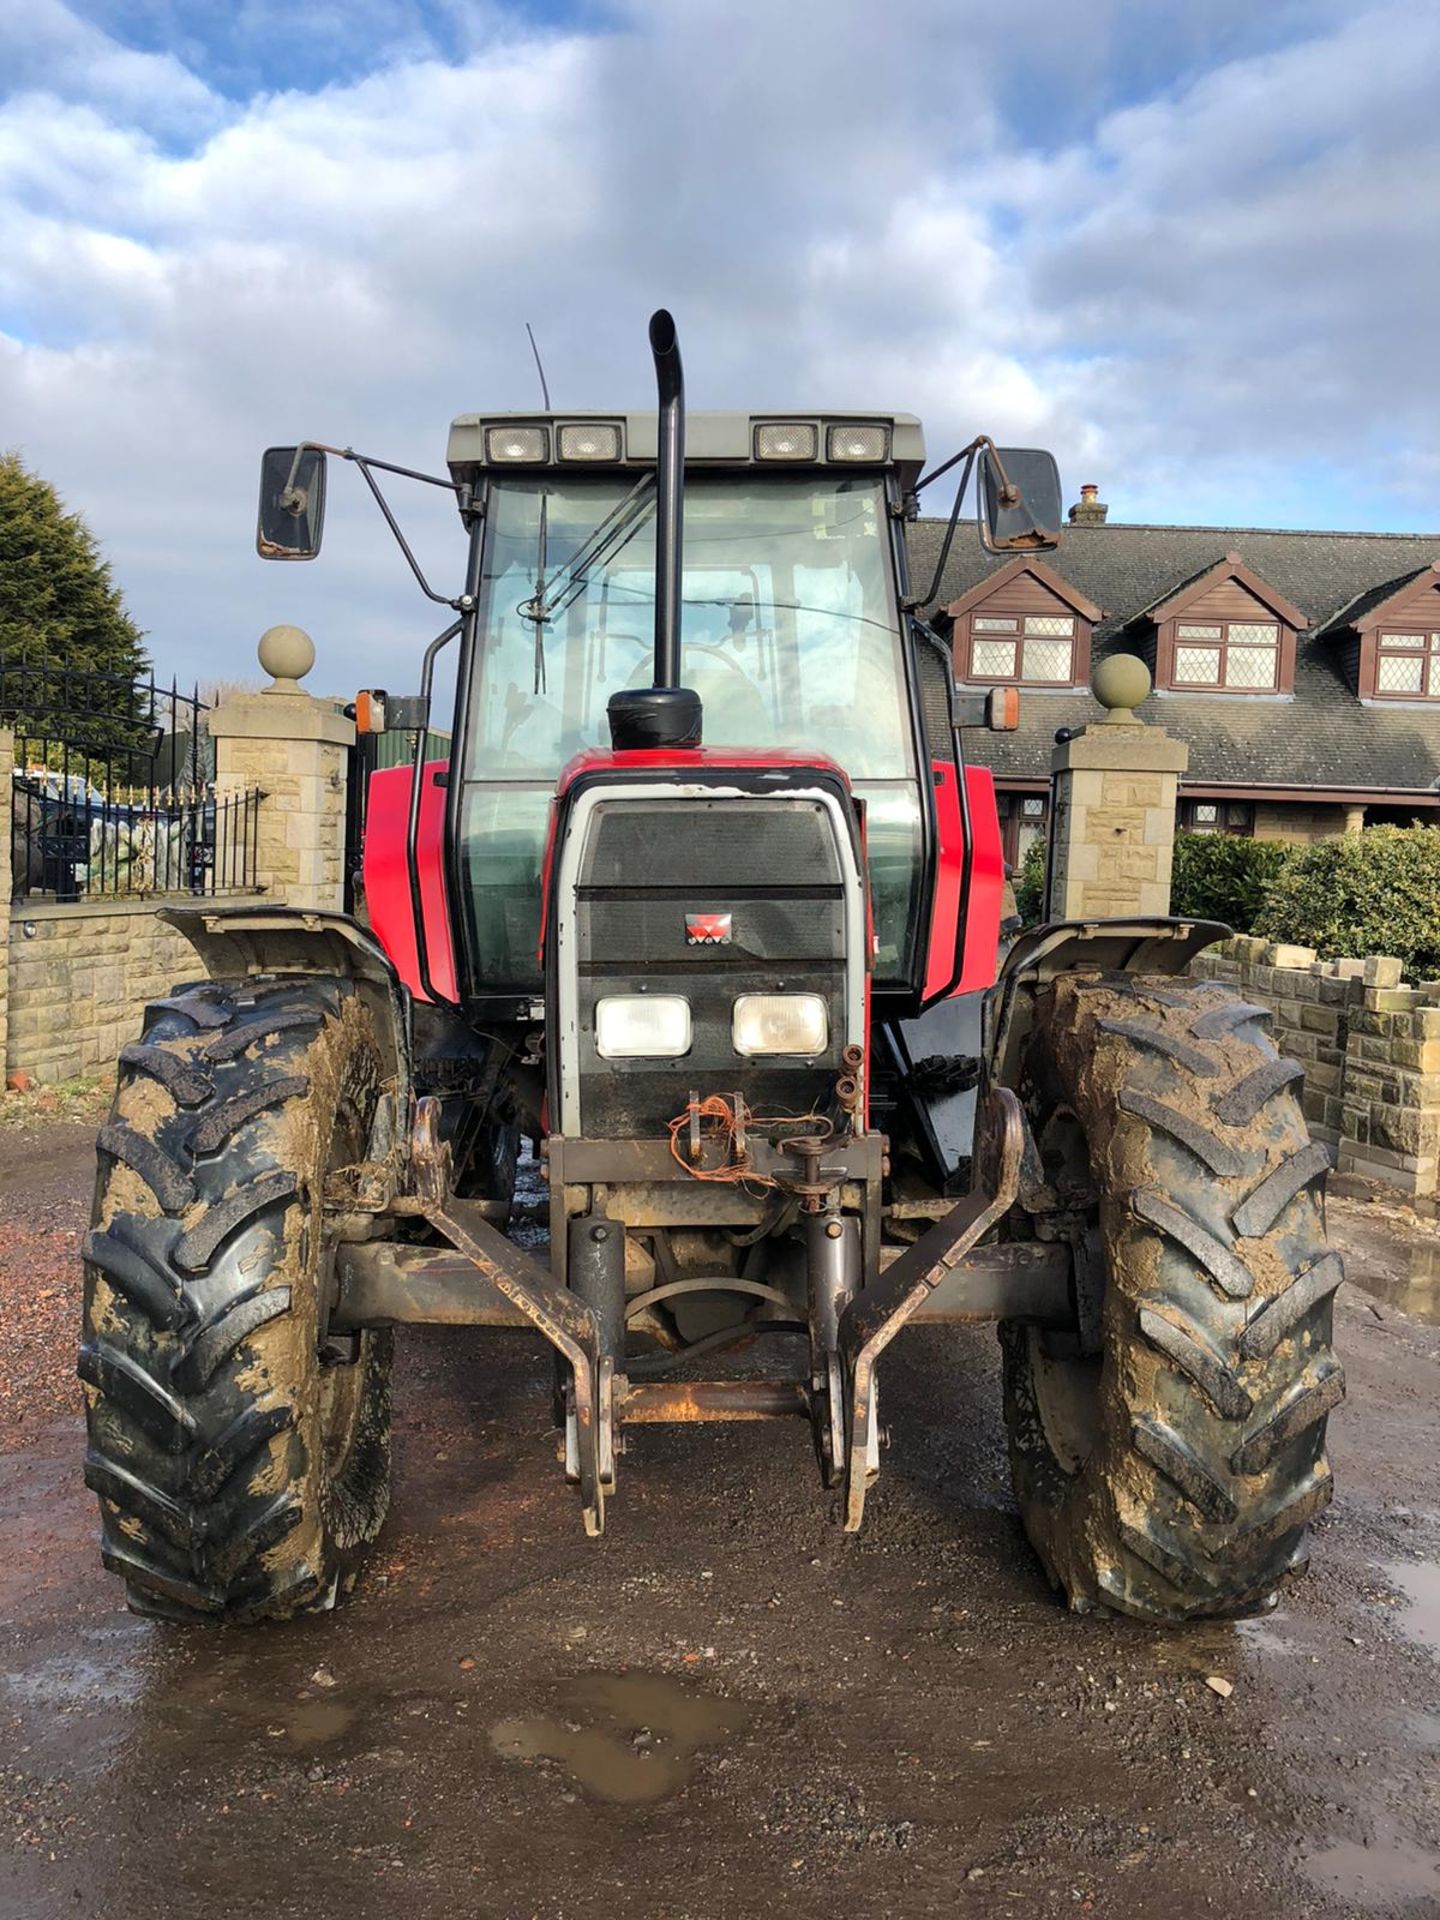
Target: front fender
<point x="242" y="942"/>
<point x="1081" y="946"/>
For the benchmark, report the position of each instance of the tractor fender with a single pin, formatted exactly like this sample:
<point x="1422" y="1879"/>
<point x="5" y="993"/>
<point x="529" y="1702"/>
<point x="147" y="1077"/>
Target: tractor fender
<point x="237" y="943"/>
<point x="1080" y="946"/>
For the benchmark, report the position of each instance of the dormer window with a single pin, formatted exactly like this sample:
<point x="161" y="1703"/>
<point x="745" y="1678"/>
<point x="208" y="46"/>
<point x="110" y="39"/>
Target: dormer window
<point x="1024" y="626"/>
<point x="1043" y="645"/>
<point x="1408" y="666"/>
<point x="1225" y="631"/>
<point x="1235" y="654"/>
<point x="1387" y="640"/>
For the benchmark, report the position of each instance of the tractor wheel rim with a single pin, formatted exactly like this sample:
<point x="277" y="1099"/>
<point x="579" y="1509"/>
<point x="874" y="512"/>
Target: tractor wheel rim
<point x="1067" y="1399"/>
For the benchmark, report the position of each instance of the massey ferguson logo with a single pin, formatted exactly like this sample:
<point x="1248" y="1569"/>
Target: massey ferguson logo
<point x="707" y="929"/>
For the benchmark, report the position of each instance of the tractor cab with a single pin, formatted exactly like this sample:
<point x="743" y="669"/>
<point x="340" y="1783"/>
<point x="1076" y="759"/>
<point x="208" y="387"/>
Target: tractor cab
<point x="792" y="634"/>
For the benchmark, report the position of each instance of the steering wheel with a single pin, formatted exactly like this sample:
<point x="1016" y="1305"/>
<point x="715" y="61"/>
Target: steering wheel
<point x="707" y="647"/>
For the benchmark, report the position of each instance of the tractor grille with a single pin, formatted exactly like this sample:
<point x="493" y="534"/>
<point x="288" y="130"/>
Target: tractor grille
<point x="649" y="867"/>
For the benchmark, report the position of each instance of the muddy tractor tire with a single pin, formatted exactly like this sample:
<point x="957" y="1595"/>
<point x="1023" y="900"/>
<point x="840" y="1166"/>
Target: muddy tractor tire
<point x="241" y="1457"/>
<point x="1172" y="1473"/>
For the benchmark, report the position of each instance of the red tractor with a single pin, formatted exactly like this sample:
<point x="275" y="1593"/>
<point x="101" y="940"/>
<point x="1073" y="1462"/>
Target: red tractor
<point x="705" y="903"/>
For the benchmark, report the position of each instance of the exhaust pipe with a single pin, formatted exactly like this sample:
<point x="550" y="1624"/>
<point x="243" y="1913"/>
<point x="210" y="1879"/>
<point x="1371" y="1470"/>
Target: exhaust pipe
<point x="665" y="714"/>
<point x="669" y="497"/>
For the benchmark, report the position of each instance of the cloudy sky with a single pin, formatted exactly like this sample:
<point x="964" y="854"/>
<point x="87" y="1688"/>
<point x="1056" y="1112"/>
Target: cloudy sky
<point x="1191" y="247"/>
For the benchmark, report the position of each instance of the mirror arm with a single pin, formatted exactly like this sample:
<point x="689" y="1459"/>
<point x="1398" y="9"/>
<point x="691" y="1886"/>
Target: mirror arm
<point x="938" y="473"/>
<point x="364" y="465"/>
<point x="967" y="454"/>
<point x="368" y="460"/>
<point x="363" y="460"/>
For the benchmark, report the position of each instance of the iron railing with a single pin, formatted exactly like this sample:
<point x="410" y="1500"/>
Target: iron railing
<point x="113" y="792"/>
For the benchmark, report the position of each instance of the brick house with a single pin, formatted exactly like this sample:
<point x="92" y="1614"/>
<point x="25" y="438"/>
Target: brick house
<point x="1302" y="669"/>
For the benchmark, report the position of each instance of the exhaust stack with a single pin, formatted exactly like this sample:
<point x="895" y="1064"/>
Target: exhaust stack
<point x="665" y="714"/>
<point x="669" y="497"/>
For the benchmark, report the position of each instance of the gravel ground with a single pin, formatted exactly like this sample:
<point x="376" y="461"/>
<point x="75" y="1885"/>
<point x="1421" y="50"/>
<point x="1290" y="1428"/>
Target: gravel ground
<point x="726" y="1704"/>
<point x="45" y="1192"/>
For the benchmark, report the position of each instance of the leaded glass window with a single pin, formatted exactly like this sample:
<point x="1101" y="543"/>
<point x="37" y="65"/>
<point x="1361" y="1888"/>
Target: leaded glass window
<point x="1197" y="666"/>
<point x="993" y="657"/>
<point x="1216" y="816"/>
<point x="1046" y="650"/>
<point x="1239" y="655"/>
<point x="1408" y="666"/>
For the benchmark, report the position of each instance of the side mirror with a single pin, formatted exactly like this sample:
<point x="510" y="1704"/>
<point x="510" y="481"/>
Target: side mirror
<point x="1020" y="499"/>
<point x="292" y="503"/>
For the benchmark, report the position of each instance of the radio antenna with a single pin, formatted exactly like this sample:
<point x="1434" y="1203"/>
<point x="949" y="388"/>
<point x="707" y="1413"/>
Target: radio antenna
<point x="544" y="387"/>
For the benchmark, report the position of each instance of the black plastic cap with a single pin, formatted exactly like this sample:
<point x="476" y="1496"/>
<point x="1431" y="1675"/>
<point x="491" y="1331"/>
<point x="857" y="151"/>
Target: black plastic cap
<point x="642" y="717"/>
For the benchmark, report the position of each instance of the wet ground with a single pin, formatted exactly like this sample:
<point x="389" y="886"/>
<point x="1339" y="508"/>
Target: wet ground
<point x="725" y="1707"/>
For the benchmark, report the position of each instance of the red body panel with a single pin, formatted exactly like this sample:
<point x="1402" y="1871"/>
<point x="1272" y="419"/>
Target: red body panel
<point x="980" y="934"/>
<point x="387" y="879"/>
<point x="387" y="876"/>
<point x="985" y="908"/>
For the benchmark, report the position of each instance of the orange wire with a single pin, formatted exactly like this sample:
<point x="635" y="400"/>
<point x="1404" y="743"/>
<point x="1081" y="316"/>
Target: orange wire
<point x="735" y="1169"/>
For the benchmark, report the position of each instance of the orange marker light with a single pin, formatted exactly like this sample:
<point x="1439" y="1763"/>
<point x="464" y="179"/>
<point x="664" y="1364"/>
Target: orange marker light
<point x="1004" y="716"/>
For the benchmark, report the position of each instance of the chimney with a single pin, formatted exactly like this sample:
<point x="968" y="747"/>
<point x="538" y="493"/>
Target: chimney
<point x="1089" y="510"/>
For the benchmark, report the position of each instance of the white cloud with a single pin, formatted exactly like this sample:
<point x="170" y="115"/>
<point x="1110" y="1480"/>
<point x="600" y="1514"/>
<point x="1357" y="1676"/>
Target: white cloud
<point x="1205" y="278"/>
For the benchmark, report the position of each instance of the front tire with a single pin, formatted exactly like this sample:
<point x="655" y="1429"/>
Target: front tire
<point x="1172" y="1475"/>
<point x="241" y="1458"/>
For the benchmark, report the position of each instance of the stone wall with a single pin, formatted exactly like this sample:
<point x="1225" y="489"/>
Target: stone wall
<point x="1370" y="1046"/>
<point x="78" y="979"/>
<point x="1301" y="826"/>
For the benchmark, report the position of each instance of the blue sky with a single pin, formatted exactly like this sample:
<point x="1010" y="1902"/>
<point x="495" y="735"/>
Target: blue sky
<point x="1190" y="247"/>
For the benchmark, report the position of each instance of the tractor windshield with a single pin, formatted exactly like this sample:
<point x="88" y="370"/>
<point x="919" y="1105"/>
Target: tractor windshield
<point x="790" y="635"/>
<point x="788" y="624"/>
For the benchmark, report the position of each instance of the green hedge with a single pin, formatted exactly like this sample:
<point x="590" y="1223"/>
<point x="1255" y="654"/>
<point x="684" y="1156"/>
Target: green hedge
<point x="1030" y="884"/>
<point x="1365" y="893"/>
<point x="1220" y="876"/>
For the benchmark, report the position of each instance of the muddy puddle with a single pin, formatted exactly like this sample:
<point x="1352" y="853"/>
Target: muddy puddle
<point x="1419" y="1581"/>
<point x="1402" y="1270"/>
<point x="628" y="1738"/>
<point x="1385" y="1866"/>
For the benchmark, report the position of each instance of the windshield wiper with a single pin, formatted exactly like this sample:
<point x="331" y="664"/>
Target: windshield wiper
<point x="614" y="532"/>
<point x="541" y="556"/>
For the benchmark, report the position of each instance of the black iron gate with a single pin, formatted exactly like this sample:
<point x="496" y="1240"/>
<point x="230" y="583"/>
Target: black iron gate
<point x="113" y="789"/>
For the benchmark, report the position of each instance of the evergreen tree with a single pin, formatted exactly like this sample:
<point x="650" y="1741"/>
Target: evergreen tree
<point x="59" y="610"/>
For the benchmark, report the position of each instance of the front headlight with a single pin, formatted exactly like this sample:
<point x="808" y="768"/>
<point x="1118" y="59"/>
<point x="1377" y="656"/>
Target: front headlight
<point x="860" y="442"/>
<point x="528" y="444"/>
<point x="787" y="440"/>
<point x="780" y="1023"/>
<point x="642" y="1026"/>
<point x="590" y="440"/>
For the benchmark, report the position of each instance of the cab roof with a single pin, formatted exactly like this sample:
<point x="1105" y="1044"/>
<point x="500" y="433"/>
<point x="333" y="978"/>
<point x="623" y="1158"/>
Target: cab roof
<point x="712" y="440"/>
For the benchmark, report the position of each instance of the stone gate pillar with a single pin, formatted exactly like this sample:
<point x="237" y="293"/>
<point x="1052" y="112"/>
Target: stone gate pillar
<point x="1114" y="785"/>
<point x="294" y="749"/>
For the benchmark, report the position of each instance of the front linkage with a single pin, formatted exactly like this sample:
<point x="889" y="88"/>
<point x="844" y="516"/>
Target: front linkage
<point x="857" y="1294"/>
<point x="942" y="1277"/>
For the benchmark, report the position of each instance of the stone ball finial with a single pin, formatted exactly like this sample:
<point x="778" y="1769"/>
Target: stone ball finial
<point x="1120" y="683"/>
<point x="287" y="654"/>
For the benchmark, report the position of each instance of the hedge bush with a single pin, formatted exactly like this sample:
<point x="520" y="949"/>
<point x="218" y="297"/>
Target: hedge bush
<point x="1030" y="884"/>
<point x="1365" y="893"/>
<point x="1219" y="876"/>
